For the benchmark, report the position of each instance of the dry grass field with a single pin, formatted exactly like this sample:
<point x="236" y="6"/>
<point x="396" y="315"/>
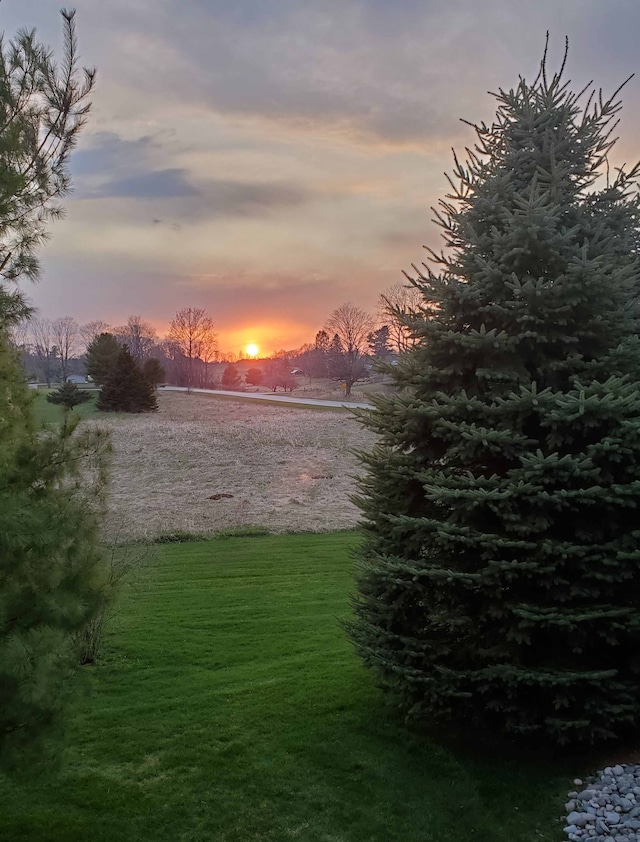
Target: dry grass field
<point x="204" y="464"/>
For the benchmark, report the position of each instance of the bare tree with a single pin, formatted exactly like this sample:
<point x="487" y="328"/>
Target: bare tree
<point x="44" y="346"/>
<point x="139" y="336"/>
<point x="66" y="336"/>
<point x="19" y="337"/>
<point x="278" y="375"/>
<point x="208" y="353"/>
<point x="398" y="307"/>
<point x="92" y="330"/>
<point x="192" y="332"/>
<point x="350" y="328"/>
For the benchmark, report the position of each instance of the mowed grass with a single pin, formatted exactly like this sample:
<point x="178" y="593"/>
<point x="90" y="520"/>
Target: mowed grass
<point x="51" y="413"/>
<point x="229" y="706"/>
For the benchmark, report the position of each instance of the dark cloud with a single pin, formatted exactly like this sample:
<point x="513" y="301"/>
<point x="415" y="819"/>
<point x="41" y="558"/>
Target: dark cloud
<point x="106" y="152"/>
<point x="211" y="197"/>
<point x="161" y="184"/>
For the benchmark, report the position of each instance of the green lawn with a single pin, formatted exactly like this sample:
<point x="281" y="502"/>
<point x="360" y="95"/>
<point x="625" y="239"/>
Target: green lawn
<point x="50" y="413"/>
<point x="230" y="707"/>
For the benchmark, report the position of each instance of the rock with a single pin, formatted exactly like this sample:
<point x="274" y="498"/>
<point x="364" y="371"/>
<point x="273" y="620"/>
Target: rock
<point x="577" y="782"/>
<point x="612" y="818"/>
<point x="618" y="770"/>
<point x="575" y="818"/>
<point x="570" y="806"/>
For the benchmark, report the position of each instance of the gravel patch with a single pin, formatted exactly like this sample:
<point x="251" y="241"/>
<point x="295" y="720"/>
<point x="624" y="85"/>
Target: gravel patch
<point x="605" y="807"/>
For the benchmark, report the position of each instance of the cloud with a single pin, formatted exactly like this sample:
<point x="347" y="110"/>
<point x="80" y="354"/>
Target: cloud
<point x="378" y="72"/>
<point x="204" y="198"/>
<point x="161" y="184"/>
<point x="106" y="152"/>
<point x="236" y="198"/>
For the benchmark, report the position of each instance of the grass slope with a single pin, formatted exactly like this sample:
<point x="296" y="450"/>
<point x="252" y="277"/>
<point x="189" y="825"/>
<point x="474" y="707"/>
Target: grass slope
<point x="230" y="707"/>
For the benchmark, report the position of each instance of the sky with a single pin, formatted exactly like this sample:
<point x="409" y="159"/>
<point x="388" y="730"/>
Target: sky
<point x="269" y="160"/>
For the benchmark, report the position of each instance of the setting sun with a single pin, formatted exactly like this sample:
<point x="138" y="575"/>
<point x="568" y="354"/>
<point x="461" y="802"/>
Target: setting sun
<point x="252" y="350"/>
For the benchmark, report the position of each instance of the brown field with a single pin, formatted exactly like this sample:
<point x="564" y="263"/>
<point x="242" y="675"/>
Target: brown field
<point x="204" y="464"/>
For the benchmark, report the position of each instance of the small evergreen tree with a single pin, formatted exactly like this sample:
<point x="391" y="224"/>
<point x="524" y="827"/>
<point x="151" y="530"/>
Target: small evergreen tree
<point x="499" y="581"/>
<point x="102" y="352"/>
<point x="253" y="377"/>
<point x="68" y="395"/>
<point x="230" y="377"/>
<point x="125" y="388"/>
<point x="153" y="371"/>
<point x="378" y="341"/>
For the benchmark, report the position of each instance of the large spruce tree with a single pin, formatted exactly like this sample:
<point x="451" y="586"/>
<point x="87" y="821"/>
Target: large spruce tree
<point x="499" y="579"/>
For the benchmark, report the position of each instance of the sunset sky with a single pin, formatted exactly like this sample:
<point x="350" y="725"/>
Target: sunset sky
<point x="269" y="160"/>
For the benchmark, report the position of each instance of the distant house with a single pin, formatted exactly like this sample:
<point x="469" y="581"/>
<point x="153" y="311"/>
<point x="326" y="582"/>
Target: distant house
<point x="78" y="379"/>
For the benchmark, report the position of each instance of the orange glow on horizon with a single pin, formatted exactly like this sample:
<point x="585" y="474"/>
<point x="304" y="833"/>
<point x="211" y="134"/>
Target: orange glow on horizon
<point x="252" y="350"/>
<point x="268" y="337"/>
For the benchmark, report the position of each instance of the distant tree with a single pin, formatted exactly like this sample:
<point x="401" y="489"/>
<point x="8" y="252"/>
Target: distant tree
<point x="92" y="330"/>
<point x="253" y="377"/>
<point x="125" y="388"/>
<point x="45" y="348"/>
<point x="399" y="307"/>
<point x="378" y="341"/>
<point x="230" y="377"/>
<point x="139" y="336"/>
<point x="68" y="395"/>
<point x="278" y="375"/>
<point x="340" y="367"/>
<point x="102" y="352"/>
<point x="316" y="359"/>
<point x="192" y="332"/>
<point x="208" y="352"/>
<point x="153" y="371"/>
<point x="19" y="339"/>
<point x="350" y="327"/>
<point x="66" y="336"/>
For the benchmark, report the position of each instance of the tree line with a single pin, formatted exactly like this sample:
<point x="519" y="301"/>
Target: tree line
<point x="52" y="350"/>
